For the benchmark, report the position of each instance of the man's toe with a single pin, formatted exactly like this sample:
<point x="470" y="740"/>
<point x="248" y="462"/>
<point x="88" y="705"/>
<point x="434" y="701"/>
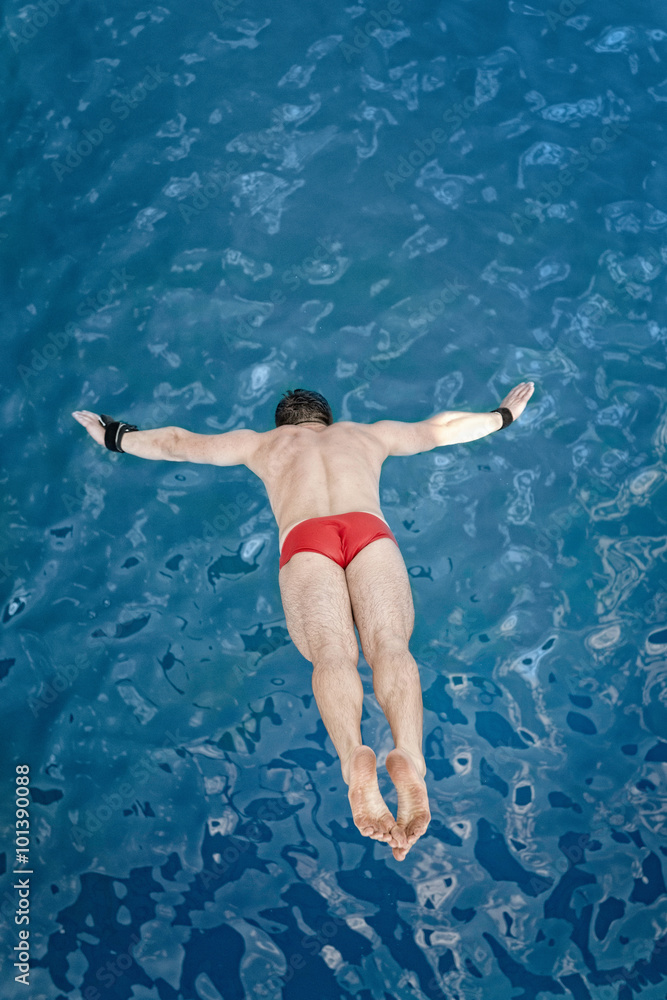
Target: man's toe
<point x="400" y="835"/>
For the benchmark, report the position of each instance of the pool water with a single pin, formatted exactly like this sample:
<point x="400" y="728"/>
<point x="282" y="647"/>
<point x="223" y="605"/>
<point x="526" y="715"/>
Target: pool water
<point x="410" y="207"/>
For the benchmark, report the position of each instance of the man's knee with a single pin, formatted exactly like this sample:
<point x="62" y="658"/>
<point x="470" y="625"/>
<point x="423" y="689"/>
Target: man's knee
<point x="385" y="646"/>
<point x="334" y="656"/>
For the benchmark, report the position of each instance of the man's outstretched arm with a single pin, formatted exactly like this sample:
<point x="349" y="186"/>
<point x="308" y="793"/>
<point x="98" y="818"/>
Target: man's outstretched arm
<point x="174" y="444"/>
<point x="449" y="427"/>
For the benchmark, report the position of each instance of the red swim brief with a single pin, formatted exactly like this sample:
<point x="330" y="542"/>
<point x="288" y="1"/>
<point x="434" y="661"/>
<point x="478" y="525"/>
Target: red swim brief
<point x="339" y="537"/>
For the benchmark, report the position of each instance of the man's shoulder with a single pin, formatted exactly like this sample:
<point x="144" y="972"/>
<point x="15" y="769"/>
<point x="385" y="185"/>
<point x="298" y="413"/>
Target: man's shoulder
<point x="372" y="435"/>
<point x="398" y="437"/>
<point x="356" y="425"/>
<point x="358" y="428"/>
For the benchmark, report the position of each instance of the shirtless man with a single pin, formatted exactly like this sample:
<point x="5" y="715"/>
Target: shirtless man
<point x="340" y="566"/>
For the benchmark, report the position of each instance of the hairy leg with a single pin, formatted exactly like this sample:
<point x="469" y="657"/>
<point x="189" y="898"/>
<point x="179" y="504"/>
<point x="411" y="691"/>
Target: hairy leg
<point x="319" y="620"/>
<point x="399" y="694"/>
<point x="382" y="602"/>
<point x="398" y="691"/>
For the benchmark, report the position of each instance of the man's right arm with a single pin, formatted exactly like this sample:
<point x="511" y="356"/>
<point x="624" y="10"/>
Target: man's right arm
<point x="175" y="444"/>
<point x="448" y="427"/>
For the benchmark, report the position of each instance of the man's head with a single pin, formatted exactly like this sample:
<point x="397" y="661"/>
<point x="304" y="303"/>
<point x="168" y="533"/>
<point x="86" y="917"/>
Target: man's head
<point x="298" y="406"/>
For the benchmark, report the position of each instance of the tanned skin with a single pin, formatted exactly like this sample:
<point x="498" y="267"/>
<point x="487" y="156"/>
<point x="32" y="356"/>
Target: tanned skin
<point x="313" y="470"/>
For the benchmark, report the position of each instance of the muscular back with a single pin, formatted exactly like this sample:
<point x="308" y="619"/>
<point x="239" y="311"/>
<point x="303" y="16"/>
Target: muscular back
<point x="312" y="471"/>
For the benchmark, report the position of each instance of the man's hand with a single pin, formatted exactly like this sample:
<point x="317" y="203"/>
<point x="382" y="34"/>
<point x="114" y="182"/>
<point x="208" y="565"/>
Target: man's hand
<point x="159" y="443"/>
<point x="516" y="398"/>
<point x="91" y="422"/>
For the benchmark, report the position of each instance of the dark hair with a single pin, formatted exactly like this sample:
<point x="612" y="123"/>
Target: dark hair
<point x="300" y="405"/>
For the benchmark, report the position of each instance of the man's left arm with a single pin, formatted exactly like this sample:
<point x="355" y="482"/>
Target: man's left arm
<point x="175" y="444"/>
<point x="450" y="426"/>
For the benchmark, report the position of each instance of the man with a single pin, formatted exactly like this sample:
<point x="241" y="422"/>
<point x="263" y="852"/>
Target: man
<point x="340" y="566"/>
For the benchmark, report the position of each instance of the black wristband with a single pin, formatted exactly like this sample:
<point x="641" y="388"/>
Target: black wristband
<point x="114" y="431"/>
<point x="505" y="414"/>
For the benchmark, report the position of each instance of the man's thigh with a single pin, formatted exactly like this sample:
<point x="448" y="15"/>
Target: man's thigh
<point x="317" y="605"/>
<point x="380" y="594"/>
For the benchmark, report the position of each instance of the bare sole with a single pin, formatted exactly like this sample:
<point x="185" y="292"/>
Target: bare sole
<point x="371" y="816"/>
<point x="414" y="814"/>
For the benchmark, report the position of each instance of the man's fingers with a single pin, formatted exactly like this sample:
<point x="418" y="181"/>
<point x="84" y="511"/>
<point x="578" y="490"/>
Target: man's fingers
<point x="516" y="398"/>
<point x="92" y="424"/>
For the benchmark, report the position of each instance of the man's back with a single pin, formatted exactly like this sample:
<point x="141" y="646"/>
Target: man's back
<point x="339" y="572"/>
<point x="314" y="470"/>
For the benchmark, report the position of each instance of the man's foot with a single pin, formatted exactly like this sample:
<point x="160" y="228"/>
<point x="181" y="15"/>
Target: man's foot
<point x="414" y="814"/>
<point x="369" y="810"/>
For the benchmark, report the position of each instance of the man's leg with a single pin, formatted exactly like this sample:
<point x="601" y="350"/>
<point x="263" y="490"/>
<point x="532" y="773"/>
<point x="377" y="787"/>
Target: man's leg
<point x="381" y="598"/>
<point x="319" y="620"/>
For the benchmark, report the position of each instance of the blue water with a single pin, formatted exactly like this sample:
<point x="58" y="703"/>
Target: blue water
<point x="409" y="212"/>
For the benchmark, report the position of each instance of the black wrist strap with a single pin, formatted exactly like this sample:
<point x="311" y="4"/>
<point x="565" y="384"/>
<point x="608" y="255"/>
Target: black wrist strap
<point x="505" y="414"/>
<point x="114" y="431"/>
